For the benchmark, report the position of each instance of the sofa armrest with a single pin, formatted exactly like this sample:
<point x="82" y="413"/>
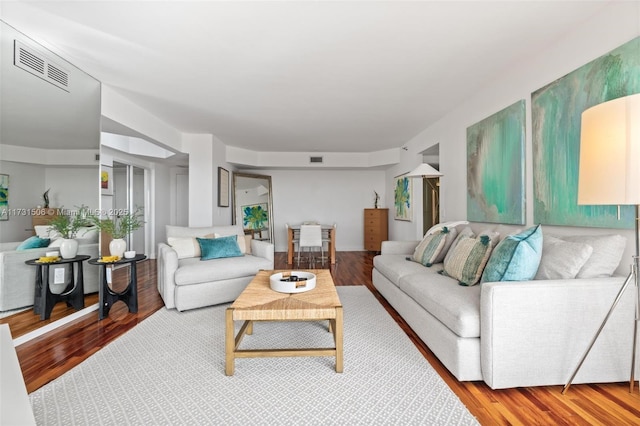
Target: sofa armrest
<point x="535" y="332"/>
<point x="167" y="263"/>
<point x="398" y="247"/>
<point x="262" y="249"/>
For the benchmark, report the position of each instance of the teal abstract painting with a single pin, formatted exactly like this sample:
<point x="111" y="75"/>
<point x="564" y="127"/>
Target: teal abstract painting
<point x="495" y="167"/>
<point x="556" y="117"/>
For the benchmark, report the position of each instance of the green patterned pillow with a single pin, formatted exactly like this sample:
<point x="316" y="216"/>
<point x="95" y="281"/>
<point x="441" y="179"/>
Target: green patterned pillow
<point x="433" y="247"/>
<point x="429" y="248"/>
<point x="467" y="259"/>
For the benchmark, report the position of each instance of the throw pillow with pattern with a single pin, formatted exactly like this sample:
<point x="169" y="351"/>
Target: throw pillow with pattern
<point x="433" y="247"/>
<point x="466" y="260"/>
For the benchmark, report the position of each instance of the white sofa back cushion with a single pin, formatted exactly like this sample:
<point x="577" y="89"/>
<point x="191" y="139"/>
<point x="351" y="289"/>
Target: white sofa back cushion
<point x="183" y="239"/>
<point x="606" y="256"/>
<point x="562" y="259"/>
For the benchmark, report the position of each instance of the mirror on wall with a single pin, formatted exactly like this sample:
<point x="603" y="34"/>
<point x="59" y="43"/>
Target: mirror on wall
<point x="253" y="205"/>
<point x="49" y="142"/>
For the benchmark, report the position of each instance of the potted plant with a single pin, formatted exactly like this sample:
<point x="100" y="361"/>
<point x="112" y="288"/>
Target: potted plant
<point x="67" y="226"/>
<point x="118" y="227"/>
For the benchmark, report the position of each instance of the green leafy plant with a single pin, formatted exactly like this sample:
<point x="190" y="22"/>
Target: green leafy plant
<point x="69" y="222"/>
<point x="66" y="225"/>
<point x="119" y="226"/>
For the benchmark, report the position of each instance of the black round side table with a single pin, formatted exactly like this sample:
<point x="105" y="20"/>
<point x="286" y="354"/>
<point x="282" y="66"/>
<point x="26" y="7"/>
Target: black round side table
<point x="73" y="294"/>
<point x="107" y="297"/>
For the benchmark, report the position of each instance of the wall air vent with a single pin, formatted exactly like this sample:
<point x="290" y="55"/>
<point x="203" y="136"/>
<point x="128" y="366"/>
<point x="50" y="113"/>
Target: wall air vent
<point x="36" y="63"/>
<point x="315" y="159"/>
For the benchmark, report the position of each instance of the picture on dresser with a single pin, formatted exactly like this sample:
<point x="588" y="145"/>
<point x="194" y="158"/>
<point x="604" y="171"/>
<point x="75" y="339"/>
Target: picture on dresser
<point x="4" y="197"/>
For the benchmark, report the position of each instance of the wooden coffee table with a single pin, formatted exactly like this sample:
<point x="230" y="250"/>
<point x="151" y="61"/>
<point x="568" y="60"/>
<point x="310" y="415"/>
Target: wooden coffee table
<point x="259" y="303"/>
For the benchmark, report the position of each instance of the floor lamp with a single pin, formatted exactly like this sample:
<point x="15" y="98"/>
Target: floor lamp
<point x="425" y="171"/>
<point x="610" y="175"/>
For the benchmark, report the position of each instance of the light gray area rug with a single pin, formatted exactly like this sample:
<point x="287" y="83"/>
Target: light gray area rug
<point x="169" y="370"/>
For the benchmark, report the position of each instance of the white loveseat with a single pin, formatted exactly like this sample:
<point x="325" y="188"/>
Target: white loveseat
<point x="187" y="282"/>
<point x="511" y="333"/>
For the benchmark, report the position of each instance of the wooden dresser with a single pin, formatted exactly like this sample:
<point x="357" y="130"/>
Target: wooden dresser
<point x="43" y="216"/>
<point x="376" y="228"/>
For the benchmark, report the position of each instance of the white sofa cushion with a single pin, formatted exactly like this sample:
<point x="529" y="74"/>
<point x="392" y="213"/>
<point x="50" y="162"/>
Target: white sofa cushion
<point x="395" y="266"/>
<point x="456" y="306"/>
<point x="185" y="246"/>
<point x="561" y="259"/>
<point x="195" y="271"/>
<point x="606" y="256"/>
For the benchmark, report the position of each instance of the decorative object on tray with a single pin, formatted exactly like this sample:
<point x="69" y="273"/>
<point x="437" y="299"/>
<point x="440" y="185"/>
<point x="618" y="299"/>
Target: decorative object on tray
<point x="292" y="281"/>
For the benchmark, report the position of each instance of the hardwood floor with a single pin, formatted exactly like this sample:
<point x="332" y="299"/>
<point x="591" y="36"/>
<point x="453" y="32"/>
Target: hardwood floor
<point x="50" y="356"/>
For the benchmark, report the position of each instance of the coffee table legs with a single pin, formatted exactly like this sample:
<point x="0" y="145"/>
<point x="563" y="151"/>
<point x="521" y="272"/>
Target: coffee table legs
<point x="232" y="342"/>
<point x="338" y="337"/>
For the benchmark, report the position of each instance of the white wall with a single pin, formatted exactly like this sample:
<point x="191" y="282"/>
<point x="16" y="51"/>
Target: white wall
<point x="26" y="185"/>
<point x="327" y="196"/>
<point x="616" y="24"/>
<point x="83" y="180"/>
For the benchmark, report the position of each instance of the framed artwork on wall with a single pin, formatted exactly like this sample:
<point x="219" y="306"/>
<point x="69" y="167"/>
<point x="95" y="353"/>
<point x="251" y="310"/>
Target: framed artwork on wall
<point x="106" y="180"/>
<point x="402" y="198"/>
<point x="4" y="197"/>
<point x="255" y="216"/>
<point x="223" y="187"/>
<point x="556" y="111"/>
<point x="495" y="167"/>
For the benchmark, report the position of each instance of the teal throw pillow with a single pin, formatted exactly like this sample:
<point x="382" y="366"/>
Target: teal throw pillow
<point x="34" y="242"/>
<point x="218" y="248"/>
<point x="516" y="258"/>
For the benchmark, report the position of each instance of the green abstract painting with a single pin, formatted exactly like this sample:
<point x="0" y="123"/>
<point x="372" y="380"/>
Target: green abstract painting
<point x="402" y="198"/>
<point x="556" y="116"/>
<point x="495" y="167"/>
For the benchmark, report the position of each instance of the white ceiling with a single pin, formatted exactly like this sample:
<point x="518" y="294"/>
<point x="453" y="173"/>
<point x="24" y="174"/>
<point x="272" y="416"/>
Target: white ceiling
<point x="352" y="76"/>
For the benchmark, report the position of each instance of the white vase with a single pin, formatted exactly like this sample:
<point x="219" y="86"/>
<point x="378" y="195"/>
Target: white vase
<point x="117" y="247"/>
<point x="68" y="248"/>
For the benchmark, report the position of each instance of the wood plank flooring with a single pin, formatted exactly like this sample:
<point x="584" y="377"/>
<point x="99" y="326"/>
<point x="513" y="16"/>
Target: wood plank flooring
<point x="50" y="356"/>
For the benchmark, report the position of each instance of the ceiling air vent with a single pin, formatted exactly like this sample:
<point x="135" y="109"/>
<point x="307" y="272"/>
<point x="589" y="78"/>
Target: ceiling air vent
<point x="36" y="63"/>
<point x="315" y="159"/>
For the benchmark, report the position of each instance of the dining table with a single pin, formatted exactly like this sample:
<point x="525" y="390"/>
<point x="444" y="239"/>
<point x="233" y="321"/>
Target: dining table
<point x="329" y="230"/>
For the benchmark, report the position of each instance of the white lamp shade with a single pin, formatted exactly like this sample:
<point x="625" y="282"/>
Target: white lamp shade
<point x="424" y="170"/>
<point x="610" y="153"/>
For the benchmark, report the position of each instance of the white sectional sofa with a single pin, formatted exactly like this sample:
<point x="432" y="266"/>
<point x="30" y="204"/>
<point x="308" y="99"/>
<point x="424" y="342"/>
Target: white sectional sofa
<point x="17" y="279"/>
<point x="515" y="333"/>
<point x="185" y="281"/>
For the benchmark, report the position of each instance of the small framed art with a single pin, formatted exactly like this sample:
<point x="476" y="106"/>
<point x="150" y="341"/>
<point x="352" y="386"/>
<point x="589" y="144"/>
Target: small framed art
<point x="223" y="187"/>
